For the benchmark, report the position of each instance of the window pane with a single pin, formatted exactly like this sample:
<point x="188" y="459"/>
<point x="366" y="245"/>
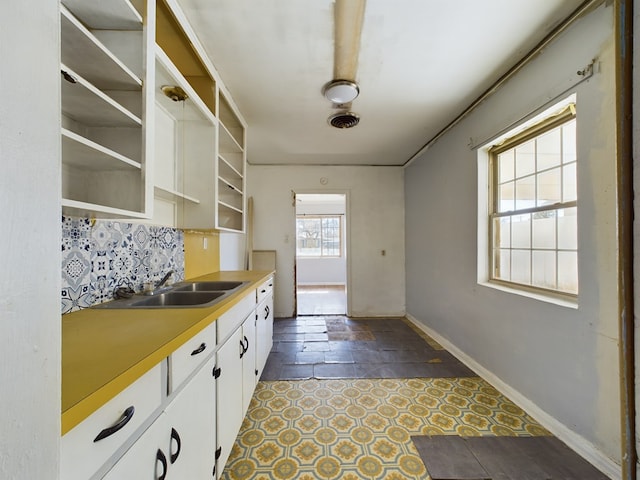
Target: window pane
<point x="525" y="192"/>
<point x="569" y="142"/>
<point x="505" y="202"/>
<point x="521" y="231"/>
<point x="544" y="269"/>
<point x="568" y="229"/>
<point x="502" y="264"/>
<point x="569" y="187"/>
<point x="502" y="232"/>
<point x="331" y="236"/>
<point x="544" y="230"/>
<point x="308" y="234"/>
<point x="549" y="191"/>
<point x="525" y="159"/>
<point x="521" y="266"/>
<point x="505" y="166"/>
<point x="568" y="272"/>
<point x="548" y="149"/>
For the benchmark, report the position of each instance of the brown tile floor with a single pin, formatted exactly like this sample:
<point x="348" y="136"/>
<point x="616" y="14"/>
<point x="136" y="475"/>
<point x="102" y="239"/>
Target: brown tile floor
<point x="341" y="347"/>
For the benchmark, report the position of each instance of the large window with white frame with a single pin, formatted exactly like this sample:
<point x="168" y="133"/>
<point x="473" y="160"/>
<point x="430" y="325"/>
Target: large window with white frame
<point x="533" y="207"/>
<point x="319" y="235"/>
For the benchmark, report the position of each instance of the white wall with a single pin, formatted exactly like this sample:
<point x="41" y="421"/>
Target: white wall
<point x="232" y="251"/>
<point x="30" y="244"/>
<point x="375" y="197"/>
<point x="563" y="360"/>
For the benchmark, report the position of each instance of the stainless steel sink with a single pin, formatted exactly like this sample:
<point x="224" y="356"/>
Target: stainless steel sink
<point x="179" y="299"/>
<point x="207" y="286"/>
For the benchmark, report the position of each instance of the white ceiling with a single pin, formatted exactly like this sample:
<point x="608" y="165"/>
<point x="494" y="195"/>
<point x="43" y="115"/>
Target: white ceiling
<point x="421" y="63"/>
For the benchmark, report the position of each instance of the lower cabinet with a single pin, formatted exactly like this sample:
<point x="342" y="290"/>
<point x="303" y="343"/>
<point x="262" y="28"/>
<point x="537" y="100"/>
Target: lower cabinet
<point x="264" y="332"/>
<point x="181" y="442"/>
<point x="236" y="383"/>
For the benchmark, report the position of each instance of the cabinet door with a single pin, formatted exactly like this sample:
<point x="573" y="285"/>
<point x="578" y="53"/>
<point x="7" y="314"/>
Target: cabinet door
<point x="249" y="373"/>
<point x="181" y="443"/>
<point x="191" y="425"/>
<point x="229" y="393"/>
<point x="264" y="313"/>
<point x="148" y="458"/>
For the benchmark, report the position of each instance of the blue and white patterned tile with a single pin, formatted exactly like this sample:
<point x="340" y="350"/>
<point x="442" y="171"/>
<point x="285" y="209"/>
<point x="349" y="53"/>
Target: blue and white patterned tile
<point x="98" y="259"/>
<point x="76" y="234"/>
<point x="74" y="299"/>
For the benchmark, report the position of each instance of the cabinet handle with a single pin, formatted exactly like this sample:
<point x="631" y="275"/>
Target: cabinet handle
<point x="200" y="349"/>
<point x="266" y="312"/>
<point x="163" y="460"/>
<point x="242" y="350"/>
<point x="216" y="372"/>
<point x="175" y="436"/>
<point x="218" y="452"/>
<point x="124" y="419"/>
<point x="263" y="291"/>
<point x="246" y="344"/>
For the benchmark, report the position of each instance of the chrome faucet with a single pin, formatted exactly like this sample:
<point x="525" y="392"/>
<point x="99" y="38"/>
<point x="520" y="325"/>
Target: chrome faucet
<point x="158" y="287"/>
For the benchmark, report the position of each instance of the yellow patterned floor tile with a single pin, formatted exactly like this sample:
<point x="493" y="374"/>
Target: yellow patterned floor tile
<point x="361" y="429"/>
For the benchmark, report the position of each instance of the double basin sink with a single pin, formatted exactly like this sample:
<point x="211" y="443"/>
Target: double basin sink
<point x="180" y="295"/>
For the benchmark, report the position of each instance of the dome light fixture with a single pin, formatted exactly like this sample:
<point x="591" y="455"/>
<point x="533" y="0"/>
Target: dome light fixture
<point x="341" y="91"/>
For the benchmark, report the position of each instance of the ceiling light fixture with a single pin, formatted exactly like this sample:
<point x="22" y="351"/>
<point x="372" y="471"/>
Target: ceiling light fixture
<point x="341" y="91"/>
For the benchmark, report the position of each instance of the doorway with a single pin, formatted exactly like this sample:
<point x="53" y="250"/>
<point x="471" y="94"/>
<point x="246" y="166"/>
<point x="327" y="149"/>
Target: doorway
<point x="321" y="253"/>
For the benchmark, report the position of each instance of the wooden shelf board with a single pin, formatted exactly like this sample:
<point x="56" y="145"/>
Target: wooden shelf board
<point x="86" y="104"/>
<point x="101" y="211"/>
<point x="227" y="167"/>
<point x="171" y="194"/>
<point x="99" y="66"/>
<point x="106" y="15"/>
<point x="82" y="152"/>
<point x="227" y="142"/>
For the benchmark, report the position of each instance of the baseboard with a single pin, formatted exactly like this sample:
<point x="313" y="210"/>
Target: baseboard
<point x="579" y="444"/>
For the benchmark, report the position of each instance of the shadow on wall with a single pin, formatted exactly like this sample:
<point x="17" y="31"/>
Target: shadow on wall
<point x="98" y="256"/>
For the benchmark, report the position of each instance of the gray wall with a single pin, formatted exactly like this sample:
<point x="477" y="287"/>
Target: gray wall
<point x="30" y="243"/>
<point x="561" y="361"/>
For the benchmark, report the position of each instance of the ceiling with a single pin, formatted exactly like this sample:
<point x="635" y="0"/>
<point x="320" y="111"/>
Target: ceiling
<point x="421" y="63"/>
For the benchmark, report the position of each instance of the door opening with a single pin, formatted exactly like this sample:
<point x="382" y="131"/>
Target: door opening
<point x="321" y="254"/>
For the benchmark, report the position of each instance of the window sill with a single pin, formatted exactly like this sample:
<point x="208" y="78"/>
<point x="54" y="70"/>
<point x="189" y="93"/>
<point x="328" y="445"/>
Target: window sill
<point x="556" y="300"/>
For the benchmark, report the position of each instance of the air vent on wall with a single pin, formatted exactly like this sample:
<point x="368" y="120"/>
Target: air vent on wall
<point x="344" y="120"/>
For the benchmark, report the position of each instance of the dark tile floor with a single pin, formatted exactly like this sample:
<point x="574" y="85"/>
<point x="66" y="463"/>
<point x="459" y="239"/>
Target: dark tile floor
<point x="341" y="347"/>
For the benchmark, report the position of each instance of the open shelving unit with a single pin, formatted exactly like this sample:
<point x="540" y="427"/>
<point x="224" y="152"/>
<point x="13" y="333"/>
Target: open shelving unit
<point x="103" y="109"/>
<point x="231" y="168"/>
<point x="185" y="145"/>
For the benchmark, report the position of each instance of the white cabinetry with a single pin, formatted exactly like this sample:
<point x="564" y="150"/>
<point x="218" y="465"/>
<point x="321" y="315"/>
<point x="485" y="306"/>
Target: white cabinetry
<point x="230" y="203"/>
<point x="105" y="105"/>
<point x="185" y="151"/>
<point x="264" y="332"/>
<point x="180" y="444"/>
<point x="85" y="448"/>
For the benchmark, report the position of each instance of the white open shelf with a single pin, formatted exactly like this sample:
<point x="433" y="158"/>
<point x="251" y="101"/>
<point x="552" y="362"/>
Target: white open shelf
<point x="91" y="59"/>
<point x="84" y="103"/>
<point x="173" y="195"/>
<point x="106" y="15"/>
<point x="82" y="152"/>
<point x="90" y="209"/>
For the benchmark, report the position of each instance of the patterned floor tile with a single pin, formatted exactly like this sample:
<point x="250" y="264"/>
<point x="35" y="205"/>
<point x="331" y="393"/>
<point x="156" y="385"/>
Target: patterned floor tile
<point x="361" y="428"/>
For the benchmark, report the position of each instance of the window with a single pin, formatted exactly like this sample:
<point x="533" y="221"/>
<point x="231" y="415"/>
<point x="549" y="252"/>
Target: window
<point x="319" y="235"/>
<point x="533" y="231"/>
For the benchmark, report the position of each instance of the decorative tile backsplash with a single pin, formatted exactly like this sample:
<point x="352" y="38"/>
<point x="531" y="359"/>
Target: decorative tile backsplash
<point x="100" y="255"/>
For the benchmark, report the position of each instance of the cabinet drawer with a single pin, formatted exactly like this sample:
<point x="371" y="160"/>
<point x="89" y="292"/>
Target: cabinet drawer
<point x="82" y="453"/>
<point x="191" y="355"/>
<point x="230" y="320"/>
<point x="264" y="290"/>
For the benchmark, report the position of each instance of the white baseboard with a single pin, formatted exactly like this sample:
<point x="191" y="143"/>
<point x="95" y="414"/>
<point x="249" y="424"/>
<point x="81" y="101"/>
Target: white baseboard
<point x="576" y="442"/>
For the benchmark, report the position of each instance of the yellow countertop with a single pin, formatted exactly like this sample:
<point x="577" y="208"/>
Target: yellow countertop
<point x="106" y="350"/>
